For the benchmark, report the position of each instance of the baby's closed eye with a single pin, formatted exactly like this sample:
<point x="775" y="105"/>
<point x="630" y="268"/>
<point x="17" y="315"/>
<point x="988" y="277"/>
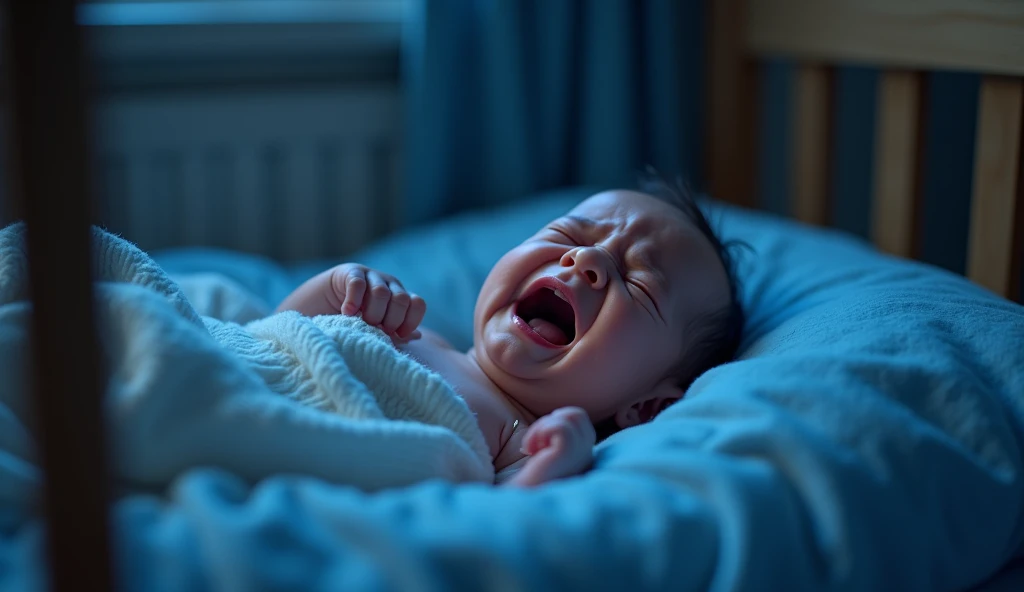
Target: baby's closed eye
<point x="562" y="236"/>
<point x="639" y="288"/>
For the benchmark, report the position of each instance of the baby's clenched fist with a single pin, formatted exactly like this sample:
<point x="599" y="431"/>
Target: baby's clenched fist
<point x="379" y="297"/>
<point x="567" y="428"/>
<point x="354" y="289"/>
<point x="558" y="445"/>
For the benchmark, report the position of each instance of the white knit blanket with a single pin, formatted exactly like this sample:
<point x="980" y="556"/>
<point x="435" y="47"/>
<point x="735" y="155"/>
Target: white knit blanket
<point x="326" y="396"/>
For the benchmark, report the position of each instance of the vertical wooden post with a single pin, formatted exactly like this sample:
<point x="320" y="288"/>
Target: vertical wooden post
<point x="998" y="198"/>
<point x="897" y="168"/>
<point x="731" y="106"/>
<point x="49" y="154"/>
<point x="810" y="161"/>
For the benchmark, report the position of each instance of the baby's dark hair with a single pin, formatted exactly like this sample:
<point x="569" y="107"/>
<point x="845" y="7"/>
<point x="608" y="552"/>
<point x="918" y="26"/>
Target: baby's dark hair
<point x="713" y="338"/>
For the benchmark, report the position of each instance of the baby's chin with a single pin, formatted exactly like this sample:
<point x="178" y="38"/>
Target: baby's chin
<point x="507" y="361"/>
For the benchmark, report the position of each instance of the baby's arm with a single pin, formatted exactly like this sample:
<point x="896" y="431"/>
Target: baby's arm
<point x="352" y="289"/>
<point x="558" y="445"/>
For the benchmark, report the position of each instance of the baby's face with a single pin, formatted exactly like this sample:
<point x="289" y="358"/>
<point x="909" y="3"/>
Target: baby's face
<point x="593" y="309"/>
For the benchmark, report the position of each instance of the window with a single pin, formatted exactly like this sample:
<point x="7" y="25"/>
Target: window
<point x="234" y="12"/>
<point x="141" y="44"/>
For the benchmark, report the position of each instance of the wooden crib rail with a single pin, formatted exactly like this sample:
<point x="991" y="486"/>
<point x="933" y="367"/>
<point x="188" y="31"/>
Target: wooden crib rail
<point x="997" y="203"/>
<point x="49" y="152"/>
<point x="903" y="38"/>
<point x="971" y="35"/>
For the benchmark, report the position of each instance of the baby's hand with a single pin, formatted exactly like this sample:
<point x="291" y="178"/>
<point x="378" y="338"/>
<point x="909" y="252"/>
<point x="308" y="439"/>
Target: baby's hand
<point x="559" y="445"/>
<point x="381" y="299"/>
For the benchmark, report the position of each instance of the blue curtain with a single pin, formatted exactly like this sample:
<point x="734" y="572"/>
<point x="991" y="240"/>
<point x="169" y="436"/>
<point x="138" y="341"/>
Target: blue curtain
<point x="510" y="97"/>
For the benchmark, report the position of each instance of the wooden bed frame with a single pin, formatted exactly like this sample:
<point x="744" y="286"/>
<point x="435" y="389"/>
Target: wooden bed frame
<point x="49" y="125"/>
<point x="904" y="39"/>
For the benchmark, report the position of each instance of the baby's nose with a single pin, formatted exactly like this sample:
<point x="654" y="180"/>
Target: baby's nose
<point x="590" y="263"/>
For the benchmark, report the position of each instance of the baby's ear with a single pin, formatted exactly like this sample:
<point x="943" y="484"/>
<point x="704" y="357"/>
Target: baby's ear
<point x="644" y="411"/>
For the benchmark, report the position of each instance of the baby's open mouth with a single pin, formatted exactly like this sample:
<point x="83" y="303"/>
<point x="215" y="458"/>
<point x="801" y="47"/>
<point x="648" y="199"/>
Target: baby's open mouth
<point x="550" y="315"/>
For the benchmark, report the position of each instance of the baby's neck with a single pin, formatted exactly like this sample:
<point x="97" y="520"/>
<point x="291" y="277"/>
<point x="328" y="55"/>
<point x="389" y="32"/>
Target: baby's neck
<point x="483" y="378"/>
<point x="462" y="371"/>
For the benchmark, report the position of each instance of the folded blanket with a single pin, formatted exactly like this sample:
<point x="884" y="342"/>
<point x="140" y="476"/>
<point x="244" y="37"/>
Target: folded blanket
<point x="328" y="396"/>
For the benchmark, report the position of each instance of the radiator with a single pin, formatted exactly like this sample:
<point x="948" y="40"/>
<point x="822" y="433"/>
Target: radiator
<point x="290" y="174"/>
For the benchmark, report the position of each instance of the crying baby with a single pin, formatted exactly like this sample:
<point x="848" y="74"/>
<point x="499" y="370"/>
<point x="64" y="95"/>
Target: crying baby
<point x="599" y="320"/>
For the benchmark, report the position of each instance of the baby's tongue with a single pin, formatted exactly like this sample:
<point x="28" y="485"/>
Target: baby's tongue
<point x="549" y="331"/>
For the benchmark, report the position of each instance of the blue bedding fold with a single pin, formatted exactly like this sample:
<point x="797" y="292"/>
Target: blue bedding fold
<point x="870" y="437"/>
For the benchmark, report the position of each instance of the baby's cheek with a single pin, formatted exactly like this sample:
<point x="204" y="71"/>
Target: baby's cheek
<point x="613" y="372"/>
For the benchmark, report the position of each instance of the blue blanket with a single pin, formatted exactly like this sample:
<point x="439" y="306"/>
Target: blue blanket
<point x="870" y="438"/>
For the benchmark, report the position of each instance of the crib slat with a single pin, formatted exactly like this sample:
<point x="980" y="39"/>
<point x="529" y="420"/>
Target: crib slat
<point x="731" y="100"/>
<point x="998" y="198"/>
<point x="810" y="163"/>
<point x="897" y="147"/>
<point x="49" y="142"/>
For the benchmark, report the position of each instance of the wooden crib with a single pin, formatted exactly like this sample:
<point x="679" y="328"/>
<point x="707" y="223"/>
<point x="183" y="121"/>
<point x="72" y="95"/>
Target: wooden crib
<point x="904" y="39"/>
<point x="49" y="145"/>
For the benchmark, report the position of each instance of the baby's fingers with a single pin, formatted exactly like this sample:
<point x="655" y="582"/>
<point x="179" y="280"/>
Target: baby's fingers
<point x="378" y="296"/>
<point x="413" y="317"/>
<point x="354" y="288"/>
<point x="546" y="432"/>
<point x="398" y="305"/>
<point x="398" y="340"/>
<point x="579" y="422"/>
